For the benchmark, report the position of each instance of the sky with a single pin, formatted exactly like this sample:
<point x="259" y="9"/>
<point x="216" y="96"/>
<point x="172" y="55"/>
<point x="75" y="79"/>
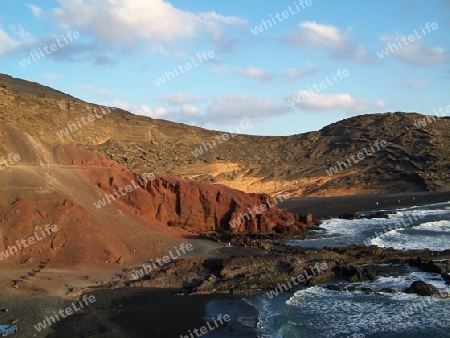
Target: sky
<point x="287" y="66"/>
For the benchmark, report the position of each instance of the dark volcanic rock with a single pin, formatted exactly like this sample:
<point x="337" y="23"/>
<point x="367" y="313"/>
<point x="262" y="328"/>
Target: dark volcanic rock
<point x="258" y="270"/>
<point x="421" y="288"/>
<point x="354" y="274"/>
<point x="377" y="214"/>
<point x="446" y="277"/>
<point x="349" y="216"/>
<point x="441" y="267"/>
<point x="336" y="287"/>
<point x="388" y="290"/>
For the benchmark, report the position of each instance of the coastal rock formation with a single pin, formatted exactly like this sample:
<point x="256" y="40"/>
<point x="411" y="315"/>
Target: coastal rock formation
<point x="103" y="213"/>
<point x="421" y="288"/>
<point x="200" y="207"/>
<point x="261" y="270"/>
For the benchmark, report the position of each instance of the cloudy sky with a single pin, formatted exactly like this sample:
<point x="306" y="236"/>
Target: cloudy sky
<point x="288" y="66"/>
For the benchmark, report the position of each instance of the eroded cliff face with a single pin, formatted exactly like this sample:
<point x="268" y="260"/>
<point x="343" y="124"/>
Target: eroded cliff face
<point x="202" y="207"/>
<point x="417" y="157"/>
<point x="141" y="218"/>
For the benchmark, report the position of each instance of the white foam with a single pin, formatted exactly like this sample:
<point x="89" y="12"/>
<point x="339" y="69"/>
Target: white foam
<point x="437" y="226"/>
<point x="419" y="213"/>
<point x="399" y="283"/>
<point x="350" y="227"/>
<point x="343" y="313"/>
<point x="401" y="241"/>
<point x="337" y="226"/>
<point x="265" y="318"/>
<point x="380" y="240"/>
<point x="312" y="291"/>
<point x="430" y="278"/>
<point x="376" y="231"/>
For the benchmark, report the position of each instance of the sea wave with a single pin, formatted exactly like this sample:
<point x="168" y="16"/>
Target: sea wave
<point x="409" y="228"/>
<point x="336" y="226"/>
<point x="400" y="240"/>
<point x="266" y="316"/>
<point x="437" y="226"/>
<point x="340" y="314"/>
<point x="419" y="213"/>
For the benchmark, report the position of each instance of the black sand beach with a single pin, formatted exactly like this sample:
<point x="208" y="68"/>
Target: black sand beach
<point x="327" y="207"/>
<point x="140" y="312"/>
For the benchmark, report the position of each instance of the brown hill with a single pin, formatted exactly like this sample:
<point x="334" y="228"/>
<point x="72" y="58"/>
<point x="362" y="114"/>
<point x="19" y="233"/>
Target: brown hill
<point x="417" y="158"/>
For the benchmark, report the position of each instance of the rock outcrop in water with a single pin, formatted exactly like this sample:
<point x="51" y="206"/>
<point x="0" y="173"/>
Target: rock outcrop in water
<point x="421" y="288"/>
<point x="266" y="269"/>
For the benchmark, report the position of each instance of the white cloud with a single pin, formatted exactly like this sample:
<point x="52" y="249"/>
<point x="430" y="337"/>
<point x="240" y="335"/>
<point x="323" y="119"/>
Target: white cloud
<point x="380" y="104"/>
<point x="249" y="72"/>
<point x="292" y="74"/>
<point x="321" y="34"/>
<point x="157" y="113"/>
<point x="229" y="20"/>
<point x="323" y="102"/>
<point x="220" y="69"/>
<point x="331" y="39"/>
<point x="21" y="38"/>
<point x="24" y="36"/>
<point x="36" y="10"/>
<point x="180" y="99"/>
<point x="130" y="22"/>
<point x="189" y="110"/>
<point x="328" y="101"/>
<point x="6" y="42"/>
<point x="120" y="104"/>
<point x="143" y="109"/>
<point x="416" y="84"/>
<point x="211" y="20"/>
<point x="224" y="109"/>
<point x="172" y="54"/>
<point x="186" y="114"/>
<point x="51" y="76"/>
<point x="255" y="74"/>
<point x="415" y="53"/>
<point x="234" y="108"/>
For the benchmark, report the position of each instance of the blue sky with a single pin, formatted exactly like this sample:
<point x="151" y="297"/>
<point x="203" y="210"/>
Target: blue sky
<point x="124" y="47"/>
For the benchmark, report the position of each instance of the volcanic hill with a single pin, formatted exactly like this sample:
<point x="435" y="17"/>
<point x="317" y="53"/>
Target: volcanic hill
<point x="104" y="212"/>
<point x="417" y="157"/>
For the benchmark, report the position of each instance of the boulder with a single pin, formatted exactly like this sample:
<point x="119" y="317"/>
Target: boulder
<point x="421" y="288"/>
<point x="280" y="229"/>
<point x="349" y="216"/>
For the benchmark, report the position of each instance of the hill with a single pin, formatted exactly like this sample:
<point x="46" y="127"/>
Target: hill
<point x="416" y="158"/>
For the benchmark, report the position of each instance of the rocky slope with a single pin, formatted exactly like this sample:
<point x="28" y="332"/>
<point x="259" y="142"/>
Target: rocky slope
<point x="140" y="217"/>
<point x="417" y="157"/>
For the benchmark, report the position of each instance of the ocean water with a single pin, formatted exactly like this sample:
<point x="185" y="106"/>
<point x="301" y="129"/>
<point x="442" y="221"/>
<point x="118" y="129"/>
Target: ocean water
<point x="319" y="312"/>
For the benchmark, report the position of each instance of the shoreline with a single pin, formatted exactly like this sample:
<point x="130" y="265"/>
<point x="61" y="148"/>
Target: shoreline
<point x="331" y="207"/>
<point x="138" y="311"/>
